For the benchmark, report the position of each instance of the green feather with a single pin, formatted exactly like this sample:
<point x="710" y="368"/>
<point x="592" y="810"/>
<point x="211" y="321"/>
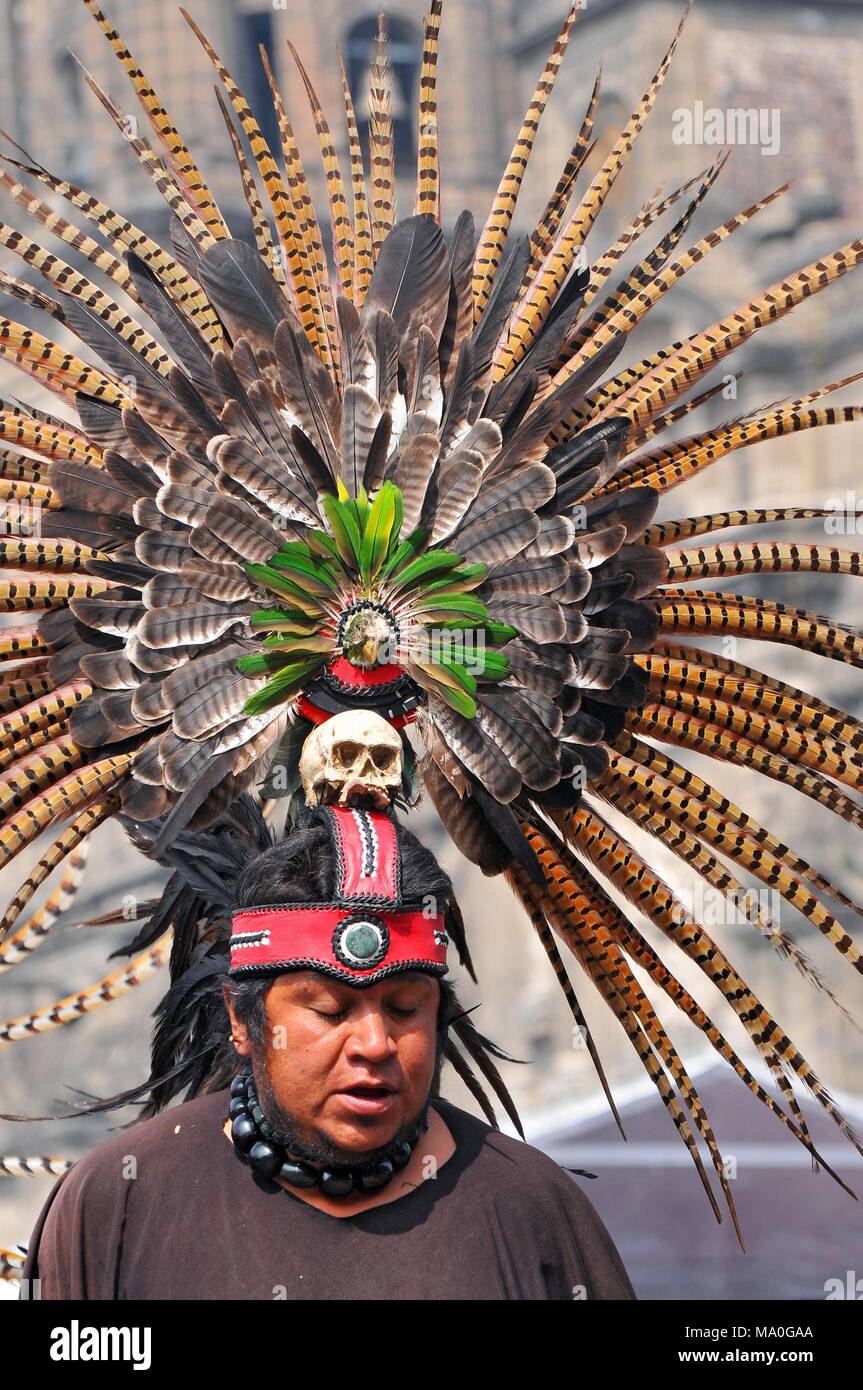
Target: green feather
<point x="406" y="552"/>
<point x="465" y="577"/>
<point x="458" y="671"/>
<point x="432" y="563"/>
<point x="454" y="696"/>
<point x="309" y="575"/>
<point x="499" y="633"/>
<point x="452" y="603"/>
<point x="293" y="642"/>
<point x="496" y="633"/>
<point x="279" y="584"/>
<point x="282" y="687"/>
<point x="262" y="663"/>
<point x="323" y="546"/>
<point x="284" y="620"/>
<point x="343" y="524"/>
<point x="458" y="700"/>
<point x="495" y="666"/>
<point x="376" y="537"/>
<point x="363" y="507"/>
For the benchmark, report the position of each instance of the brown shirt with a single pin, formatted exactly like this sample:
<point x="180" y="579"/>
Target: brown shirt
<point x="166" y="1211"/>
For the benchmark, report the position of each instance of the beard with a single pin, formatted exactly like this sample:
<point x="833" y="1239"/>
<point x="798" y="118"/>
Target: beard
<point x="313" y="1146"/>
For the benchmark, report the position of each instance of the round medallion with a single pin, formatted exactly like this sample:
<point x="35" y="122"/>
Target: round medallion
<point x="361" y="942"/>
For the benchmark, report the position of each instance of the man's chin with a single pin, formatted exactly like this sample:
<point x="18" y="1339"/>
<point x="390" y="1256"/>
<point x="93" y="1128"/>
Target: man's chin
<point x="358" y="1137"/>
<point x="336" y="1139"/>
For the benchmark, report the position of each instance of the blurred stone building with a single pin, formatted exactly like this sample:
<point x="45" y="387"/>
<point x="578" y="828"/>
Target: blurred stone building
<point x="802" y="61"/>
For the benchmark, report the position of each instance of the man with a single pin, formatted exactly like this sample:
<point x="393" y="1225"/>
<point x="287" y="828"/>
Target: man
<point x="356" y="1180"/>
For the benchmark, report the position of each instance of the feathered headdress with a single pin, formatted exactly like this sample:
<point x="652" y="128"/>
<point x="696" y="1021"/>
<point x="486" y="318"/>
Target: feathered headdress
<point x="415" y="483"/>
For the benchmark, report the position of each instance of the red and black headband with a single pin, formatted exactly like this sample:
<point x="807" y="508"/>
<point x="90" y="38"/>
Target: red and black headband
<point x="365" y="934"/>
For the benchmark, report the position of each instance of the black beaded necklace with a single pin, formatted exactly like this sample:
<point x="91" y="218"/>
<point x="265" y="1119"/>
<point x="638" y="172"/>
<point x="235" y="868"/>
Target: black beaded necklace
<point x="255" y="1144"/>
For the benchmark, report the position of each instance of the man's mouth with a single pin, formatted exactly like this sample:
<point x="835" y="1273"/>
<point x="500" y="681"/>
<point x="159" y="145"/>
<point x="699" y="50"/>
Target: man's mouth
<point x="367" y="1098"/>
<point x="370" y="1091"/>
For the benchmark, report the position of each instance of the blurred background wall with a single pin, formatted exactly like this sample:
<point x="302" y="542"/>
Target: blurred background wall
<point x="798" y="63"/>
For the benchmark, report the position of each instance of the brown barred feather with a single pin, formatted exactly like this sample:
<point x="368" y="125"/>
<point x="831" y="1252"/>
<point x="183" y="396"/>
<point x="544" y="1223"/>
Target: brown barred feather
<point x="651" y="211"/>
<point x="625" y="867"/>
<point x="74" y="835"/>
<point x="341" y="226"/>
<point x="571" y="909"/>
<point x="546" y="937"/>
<point x="497" y="225"/>
<point x="670" y="726"/>
<point x="685" y="528"/>
<point x="685" y="671"/>
<point x="182" y="163"/>
<point x="65" y="231"/>
<point x="667" y="468"/>
<point x="49" y="441"/>
<point x="364" y="257"/>
<point x="33" y="1166"/>
<point x="260" y="225"/>
<point x="542" y="237"/>
<point x="74" y="1006"/>
<point x="637" y="793"/>
<point x="428" y="156"/>
<point x="54" y="367"/>
<point x="166" y="186"/>
<point x="703" y="612"/>
<point x="32" y="933"/>
<point x="125" y="236"/>
<point x="540" y="297"/>
<point x="301" y="238"/>
<point x="74" y="791"/>
<point x="381" y="140"/>
<point x="840" y="724"/>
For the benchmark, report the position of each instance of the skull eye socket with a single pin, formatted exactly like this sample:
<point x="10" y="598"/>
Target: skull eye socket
<point x="346" y="754"/>
<point x="385" y="759"/>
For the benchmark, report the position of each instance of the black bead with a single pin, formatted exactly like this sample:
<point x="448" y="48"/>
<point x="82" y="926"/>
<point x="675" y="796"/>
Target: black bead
<point x="243" y="1133"/>
<point x="377" y="1176"/>
<point x="298" y="1174"/>
<point x="238" y="1086"/>
<point x="237" y="1107"/>
<point x="257" y="1114"/>
<point x="336" y="1184"/>
<point x="402" y="1154"/>
<point x="266" y="1129"/>
<point x="266" y="1184"/>
<point x="265" y="1159"/>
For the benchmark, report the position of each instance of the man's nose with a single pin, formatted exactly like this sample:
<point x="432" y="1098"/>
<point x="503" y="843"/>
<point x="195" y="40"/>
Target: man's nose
<point x="371" y="1037"/>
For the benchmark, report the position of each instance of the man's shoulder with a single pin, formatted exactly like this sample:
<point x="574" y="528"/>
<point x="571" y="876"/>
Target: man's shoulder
<point x="509" y="1162"/>
<point x="539" y="1207"/>
<point x="155" y="1144"/>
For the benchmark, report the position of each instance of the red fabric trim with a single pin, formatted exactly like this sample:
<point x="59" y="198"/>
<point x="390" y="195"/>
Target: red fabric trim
<point x="311" y="712"/>
<point x="304" y="934"/>
<point x="362" y="677"/>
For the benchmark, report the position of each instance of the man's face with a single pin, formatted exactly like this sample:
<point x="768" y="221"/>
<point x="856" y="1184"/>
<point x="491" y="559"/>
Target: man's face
<point x="354" y="1065"/>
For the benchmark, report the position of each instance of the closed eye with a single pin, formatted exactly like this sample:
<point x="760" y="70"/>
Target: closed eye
<point x="337" y="1017"/>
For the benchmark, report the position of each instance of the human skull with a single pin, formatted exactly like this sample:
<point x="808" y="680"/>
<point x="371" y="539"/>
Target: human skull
<point x="353" y="759"/>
